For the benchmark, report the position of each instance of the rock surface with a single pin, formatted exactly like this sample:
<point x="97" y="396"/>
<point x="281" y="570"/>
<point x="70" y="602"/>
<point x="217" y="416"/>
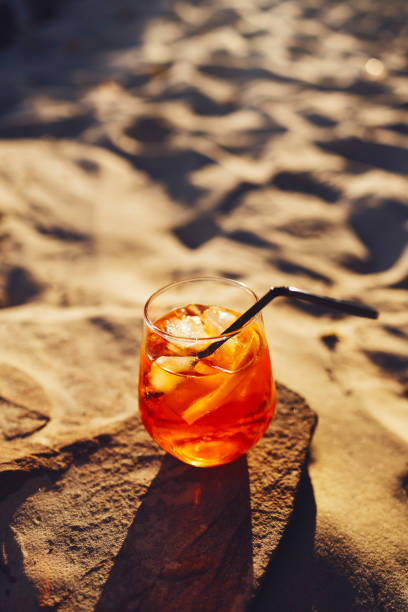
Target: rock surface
<point x="113" y="523"/>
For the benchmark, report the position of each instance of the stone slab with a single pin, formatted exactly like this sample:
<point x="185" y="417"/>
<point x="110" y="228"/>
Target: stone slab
<point x="114" y="523"/>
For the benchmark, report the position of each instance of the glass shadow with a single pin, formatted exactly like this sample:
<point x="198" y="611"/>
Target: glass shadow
<point x="190" y="544"/>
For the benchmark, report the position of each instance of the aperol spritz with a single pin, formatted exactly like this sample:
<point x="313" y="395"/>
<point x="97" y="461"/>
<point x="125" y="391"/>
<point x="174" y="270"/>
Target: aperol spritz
<point x="210" y="410"/>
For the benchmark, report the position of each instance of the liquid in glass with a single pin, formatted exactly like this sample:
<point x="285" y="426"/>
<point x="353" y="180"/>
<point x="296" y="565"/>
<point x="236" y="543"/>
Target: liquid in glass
<point x="207" y="411"/>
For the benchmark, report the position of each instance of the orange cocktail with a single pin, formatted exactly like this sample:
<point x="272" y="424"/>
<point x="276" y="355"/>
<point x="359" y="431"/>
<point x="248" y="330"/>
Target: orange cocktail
<point x="205" y="411"/>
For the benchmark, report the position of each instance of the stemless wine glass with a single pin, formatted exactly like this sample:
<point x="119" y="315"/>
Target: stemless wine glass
<point x="210" y="410"/>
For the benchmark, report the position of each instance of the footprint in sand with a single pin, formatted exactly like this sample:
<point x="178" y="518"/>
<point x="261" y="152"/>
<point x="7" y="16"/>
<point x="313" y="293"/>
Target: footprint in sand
<point x="24" y="406"/>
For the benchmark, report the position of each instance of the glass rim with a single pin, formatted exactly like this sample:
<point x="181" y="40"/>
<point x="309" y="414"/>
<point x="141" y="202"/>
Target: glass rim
<point x="170" y="337"/>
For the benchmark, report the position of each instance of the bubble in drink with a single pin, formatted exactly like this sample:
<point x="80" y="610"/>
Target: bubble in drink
<point x="205" y="411"/>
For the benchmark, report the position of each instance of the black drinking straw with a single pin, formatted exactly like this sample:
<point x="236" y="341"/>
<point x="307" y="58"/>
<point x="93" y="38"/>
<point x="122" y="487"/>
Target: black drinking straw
<point x="291" y="292"/>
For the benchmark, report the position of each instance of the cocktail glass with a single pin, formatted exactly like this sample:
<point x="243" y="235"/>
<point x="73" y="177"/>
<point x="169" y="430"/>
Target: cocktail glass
<point x="205" y="411"/>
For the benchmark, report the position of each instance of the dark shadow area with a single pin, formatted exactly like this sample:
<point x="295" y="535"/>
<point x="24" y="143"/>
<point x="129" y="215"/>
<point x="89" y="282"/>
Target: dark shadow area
<point x="373" y="25"/>
<point x="390" y="362"/>
<point x="288" y="583"/>
<point x="198" y="231"/>
<point x="366" y="88"/>
<point x="8" y="24"/>
<point x="399" y="128"/>
<point x="404" y="483"/>
<point x="62" y="233"/>
<point x="204" y="105"/>
<point x="320" y="120"/>
<point x="65" y="128"/>
<point x="317" y="311"/>
<point x="393" y="365"/>
<point x="198" y="101"/>
<point x="332" y="590"/>
<point x="292" y="268"/>
<point x="172" y="167"/>
<point x="189" y="546"/>
<point x="218" y="19"/>
<point x="304" y="182"/>
<point x="19" y="287"/>
<point x="234" y="198"/>
<point x="241" y="76"/>
<point x="384" y="156"/>
<point x="352" y="262"/>
<point x="298" y="579"/>
<point x="251" y="239"/>
<point x="401" y="284"/>
<point x="381" y="226"/>
<point x="44" y="10"/>
<point x="88" y="165"/>
<point x="203" y="228"/>
<point x="149" y="130"/>
<point x="395" y="331"/>
<point x="330" y="340"/>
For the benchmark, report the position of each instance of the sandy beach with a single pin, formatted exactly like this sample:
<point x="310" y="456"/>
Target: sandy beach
<point x="267" y="142"/>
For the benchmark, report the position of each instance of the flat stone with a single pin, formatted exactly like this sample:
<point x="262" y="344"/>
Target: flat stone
<point x="114" y="523"/>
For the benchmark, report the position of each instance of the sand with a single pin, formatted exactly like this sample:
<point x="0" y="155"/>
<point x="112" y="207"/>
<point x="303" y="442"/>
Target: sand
<point x="262" y="141"/>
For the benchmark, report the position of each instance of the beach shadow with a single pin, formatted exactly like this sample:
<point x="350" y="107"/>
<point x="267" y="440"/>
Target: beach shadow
<point x="292" y="268"/>
<point x="190" y="544"/>
<point x="251" y="239"/>
<point x="20" y="287"/>
<point x="234" y="198"/>
<point x="297" y="578"/>
<point x="392" y="365"/>
<point x="199" y="102"/>
<point x="381" y="226"/>
<point x="197" y="231"/>
<point x="399" y="128"/>
<point x="384" y="156"/>
<point x="204" y="227"/>
<point x="72" y="127"/>
<point x="169" y="166"/>
<point x="320" y="120"/>
<point x="242" y="76"/>
<point x="304" y="182"/>
<point x="288" y="583"/>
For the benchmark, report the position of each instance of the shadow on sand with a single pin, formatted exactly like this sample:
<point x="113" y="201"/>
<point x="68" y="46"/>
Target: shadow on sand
<point x="190" y="544"/>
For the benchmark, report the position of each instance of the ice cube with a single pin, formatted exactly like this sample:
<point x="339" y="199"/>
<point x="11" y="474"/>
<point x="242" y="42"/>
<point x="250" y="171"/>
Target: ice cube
<point x="175" y="364"/>
<point x="216" y="320"/>
<point x="165" y="373"/>
<point x="186" y="327"/>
